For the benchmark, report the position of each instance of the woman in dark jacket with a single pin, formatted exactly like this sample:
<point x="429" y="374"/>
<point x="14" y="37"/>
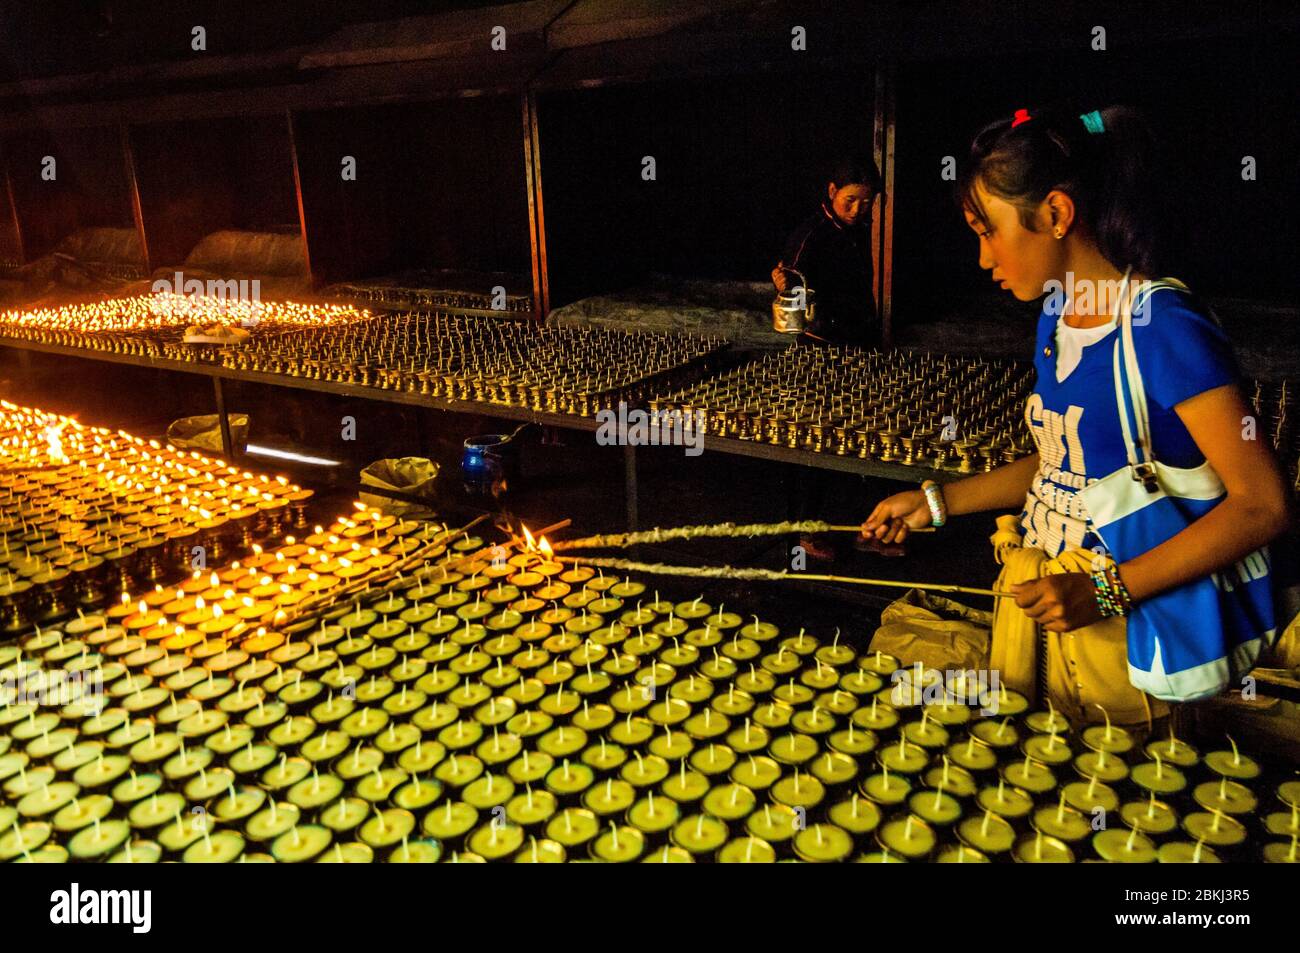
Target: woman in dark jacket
<point x="832" y="249"/>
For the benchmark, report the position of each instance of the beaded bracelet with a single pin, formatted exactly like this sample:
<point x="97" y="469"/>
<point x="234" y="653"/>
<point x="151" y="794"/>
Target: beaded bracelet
<point x="934" y="499"/>
<point x="1112" y="595"/>
<point x="1118" y="590"/>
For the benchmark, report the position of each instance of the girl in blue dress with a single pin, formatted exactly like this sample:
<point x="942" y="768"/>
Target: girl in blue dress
<point x="1062" y="204"/>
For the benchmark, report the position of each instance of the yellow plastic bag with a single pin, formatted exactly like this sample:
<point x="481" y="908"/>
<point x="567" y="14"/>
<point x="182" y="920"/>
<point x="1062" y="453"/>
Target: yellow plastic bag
<point x="411" y="476"/>
<point x="204" y="433"/>
<point x="1286" y="651"/>
<point x="939" y="633"/>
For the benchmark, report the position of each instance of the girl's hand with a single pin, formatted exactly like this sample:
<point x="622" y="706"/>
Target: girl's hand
<point x="779" y="279"/>
<point x="895" y="516"/>
<point x="1059" y="603"/>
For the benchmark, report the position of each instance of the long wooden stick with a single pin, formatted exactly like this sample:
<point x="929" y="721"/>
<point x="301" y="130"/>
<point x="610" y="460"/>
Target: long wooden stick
<point x="710" y="531"/>
<point x="784" y="575"/>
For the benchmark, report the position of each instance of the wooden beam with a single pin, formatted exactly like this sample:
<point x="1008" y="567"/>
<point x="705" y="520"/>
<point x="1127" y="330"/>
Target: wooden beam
<point x="541" y="207"/>
<point x="460" y="33"/>
<point x="592" y="22"/>
<point x="297" y="190"/>
<point x="133" y="183"/>
<point x="887" y="216"/>
<point x="384" y="83"/>
<point x="882" y="223"/>
<point x="13" y="210"/>
<point x="618" y="41"/>
<point x="526" y="107"/>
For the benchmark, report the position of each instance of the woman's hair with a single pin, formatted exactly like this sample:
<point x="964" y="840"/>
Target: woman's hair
<point x="1104" y="160"/>
<point x="856" y="169"/>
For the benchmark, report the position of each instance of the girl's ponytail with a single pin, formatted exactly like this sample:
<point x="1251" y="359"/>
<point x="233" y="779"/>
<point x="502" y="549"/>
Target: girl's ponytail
<point x="1104" y="160"/>
<point x="1126" y="209"/>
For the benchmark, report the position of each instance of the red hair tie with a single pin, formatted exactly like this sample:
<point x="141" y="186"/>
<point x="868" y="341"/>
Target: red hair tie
<point x="1022" y="115"/>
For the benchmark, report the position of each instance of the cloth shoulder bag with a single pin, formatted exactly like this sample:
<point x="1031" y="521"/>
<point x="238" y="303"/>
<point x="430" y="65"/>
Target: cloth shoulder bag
<point x="1195" y="640"/>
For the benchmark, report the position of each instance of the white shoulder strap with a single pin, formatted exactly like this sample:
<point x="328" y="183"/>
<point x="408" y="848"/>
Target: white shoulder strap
<point x="1136" y="388"/>
<point x="1144" y="290"/>
<point x="1120" y="403"/>
<point x="1137" y="446"/>
<point x="1123" y="316"/>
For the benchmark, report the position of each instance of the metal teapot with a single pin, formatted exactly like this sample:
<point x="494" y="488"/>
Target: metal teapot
<point x="792" y="310"/>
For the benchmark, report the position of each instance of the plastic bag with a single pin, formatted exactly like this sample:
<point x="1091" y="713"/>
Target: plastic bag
<point x="939" y="633"/>
<point x="204" y="433"/>
<point x="411" y="476"/>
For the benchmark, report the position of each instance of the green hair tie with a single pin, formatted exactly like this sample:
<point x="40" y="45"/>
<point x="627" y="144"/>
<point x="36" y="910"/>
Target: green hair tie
<point x="1092" y="122"/>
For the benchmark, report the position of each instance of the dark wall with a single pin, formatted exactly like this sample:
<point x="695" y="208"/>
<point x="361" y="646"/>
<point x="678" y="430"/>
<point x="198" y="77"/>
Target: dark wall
<point x="740" y="161"/>
<point x="53" y="37"/>
<point x="438" y="185"/>
<point x="90" y="187"/>
<point x="200" y="176"/>
<point x="1211" y="102"/>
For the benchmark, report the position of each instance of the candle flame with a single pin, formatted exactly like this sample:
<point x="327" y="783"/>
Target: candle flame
<point x="54" y="442"/>
<point x="545" y="547"/>
<point x="529" y="541"/>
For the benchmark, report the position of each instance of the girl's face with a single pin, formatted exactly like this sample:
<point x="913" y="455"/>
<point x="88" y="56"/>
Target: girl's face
<point x="850" y="203"/>
<point x="1021" y="261"/>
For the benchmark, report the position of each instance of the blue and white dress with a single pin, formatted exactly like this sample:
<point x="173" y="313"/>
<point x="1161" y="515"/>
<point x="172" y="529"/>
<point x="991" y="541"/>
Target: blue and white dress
<point x="1075" y="422"/>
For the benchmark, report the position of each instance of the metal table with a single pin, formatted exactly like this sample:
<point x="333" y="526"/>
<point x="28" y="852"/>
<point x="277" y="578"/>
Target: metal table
<point x="727" y="445"/>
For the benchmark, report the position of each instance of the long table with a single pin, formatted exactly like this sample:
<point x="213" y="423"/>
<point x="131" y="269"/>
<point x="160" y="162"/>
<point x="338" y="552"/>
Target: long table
<point x="728" y="445"/>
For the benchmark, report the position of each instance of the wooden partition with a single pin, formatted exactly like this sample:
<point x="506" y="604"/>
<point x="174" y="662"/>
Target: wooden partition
<point x="439" y="186"/>
<point x="738" y="163"/>
<point x="203" y="175"/>
<point x="63" y="181"/>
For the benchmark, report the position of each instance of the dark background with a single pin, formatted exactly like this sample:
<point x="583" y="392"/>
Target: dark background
<point x="741" y="128"/>
<point x="439" y="185"/>
<point x="1210" y="102"/>
<point x="741" y="136"/>
<point x="739" y="163"/>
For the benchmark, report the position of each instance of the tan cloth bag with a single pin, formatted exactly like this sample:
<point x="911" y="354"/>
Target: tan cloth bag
<point x="1087" y="669"/>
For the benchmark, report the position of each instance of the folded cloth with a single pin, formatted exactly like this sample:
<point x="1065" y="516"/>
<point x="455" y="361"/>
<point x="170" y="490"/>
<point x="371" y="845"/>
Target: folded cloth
<point x="1087" y="669"/>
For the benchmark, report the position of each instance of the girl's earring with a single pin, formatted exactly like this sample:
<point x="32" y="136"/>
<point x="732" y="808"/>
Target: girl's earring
<point x="1059" y="233"/>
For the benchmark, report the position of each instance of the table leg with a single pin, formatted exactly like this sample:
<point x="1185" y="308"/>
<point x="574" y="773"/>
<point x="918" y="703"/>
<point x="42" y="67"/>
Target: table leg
<point x="629" y="486"/>
<point x="227" y="444"/>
